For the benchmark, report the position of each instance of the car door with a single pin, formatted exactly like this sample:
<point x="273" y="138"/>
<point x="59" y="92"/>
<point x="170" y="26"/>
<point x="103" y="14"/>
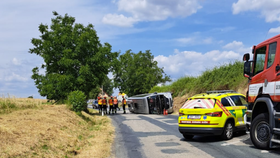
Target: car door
<point x="240" y="107"/>
<point x="229" y="105"/>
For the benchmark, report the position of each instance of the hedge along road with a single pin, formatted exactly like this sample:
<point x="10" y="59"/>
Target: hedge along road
<point x="139" y="136"/>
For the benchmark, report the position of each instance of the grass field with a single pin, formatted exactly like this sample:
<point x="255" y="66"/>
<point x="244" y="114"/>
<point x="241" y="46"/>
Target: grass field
<point x="33" y="128"/>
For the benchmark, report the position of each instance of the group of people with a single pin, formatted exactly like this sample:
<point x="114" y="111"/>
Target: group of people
<point x="113" y="105"/>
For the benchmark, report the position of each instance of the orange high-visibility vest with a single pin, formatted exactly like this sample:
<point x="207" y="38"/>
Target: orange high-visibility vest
<point x="124" y="101"/>
<point x="100" y="102"/>
<point x="115" y="101"/>
<point x="104" y="102"/>
<point x="110" y="102"/>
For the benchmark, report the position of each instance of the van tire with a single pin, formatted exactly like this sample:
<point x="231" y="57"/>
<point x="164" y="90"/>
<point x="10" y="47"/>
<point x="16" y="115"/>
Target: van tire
<point x="260" y="131"/>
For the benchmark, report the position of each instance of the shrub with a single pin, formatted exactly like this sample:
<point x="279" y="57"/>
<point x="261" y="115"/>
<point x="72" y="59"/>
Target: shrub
<point x="78" y="101"/>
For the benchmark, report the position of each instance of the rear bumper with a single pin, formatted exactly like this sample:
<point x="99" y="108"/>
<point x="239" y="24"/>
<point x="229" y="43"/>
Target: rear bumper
<point x="200" y="131"/>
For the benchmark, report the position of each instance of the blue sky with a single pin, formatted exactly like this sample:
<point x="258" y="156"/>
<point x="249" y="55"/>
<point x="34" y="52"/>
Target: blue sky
<point x="186" y="37"/>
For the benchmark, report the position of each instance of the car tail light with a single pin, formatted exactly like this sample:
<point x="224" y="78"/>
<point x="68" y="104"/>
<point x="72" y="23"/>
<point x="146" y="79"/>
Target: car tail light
<point x="215" y="114"/>
<point x="180" y="113"/>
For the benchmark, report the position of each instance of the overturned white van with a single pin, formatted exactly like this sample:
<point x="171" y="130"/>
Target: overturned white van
<point x="152" y="103"/>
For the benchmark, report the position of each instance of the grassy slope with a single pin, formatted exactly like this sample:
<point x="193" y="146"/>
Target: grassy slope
<point x="225" y="77"/>
<point x="34" y="129"/>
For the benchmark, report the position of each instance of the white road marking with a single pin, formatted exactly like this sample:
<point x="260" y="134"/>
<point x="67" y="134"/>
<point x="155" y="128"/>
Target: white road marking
<point x="230" y="143"/>
<point x="142" y="126"/>
<point x="264" y="151"/>
<point x="238" y="141"/>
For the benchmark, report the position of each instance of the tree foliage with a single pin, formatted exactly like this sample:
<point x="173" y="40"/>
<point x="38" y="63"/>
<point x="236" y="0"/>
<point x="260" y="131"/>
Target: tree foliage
<point x="78" y="101"/>
<point x="108" y="86"/>
<point x="138" y="73"/>
<point x="94" y="92"/>
<point x="74" y="58"/>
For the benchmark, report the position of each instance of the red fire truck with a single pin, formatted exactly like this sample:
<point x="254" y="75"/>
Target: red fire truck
<point x="263" y="95"/>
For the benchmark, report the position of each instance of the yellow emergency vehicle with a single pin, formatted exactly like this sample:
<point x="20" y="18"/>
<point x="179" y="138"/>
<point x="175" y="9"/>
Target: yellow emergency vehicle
<point x="213" y="113"/>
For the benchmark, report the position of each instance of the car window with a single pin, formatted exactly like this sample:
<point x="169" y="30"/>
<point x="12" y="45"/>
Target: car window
<point x="243" y="101"/>
<point x="225" y="102"/>
<point x="236" y="100"/>
<point x="199" y="103"/>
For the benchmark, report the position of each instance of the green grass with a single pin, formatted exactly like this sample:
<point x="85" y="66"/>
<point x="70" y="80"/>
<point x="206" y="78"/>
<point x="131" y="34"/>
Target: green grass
<point x="225" y="77"/>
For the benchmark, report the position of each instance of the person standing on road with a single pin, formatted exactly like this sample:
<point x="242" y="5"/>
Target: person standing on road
<point x="104" y="105"/>
<point x="99" y="104"/>
<point x="111" y="105"/>
<point x="123" y="104"/>
<point x="115" y="101"/>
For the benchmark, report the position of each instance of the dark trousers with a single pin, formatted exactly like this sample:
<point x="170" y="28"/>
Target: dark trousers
<point x="124" y="108"/>
<point x="104" y="108"/>
<point x="100" y="108"/>
<point x="115" y="108"/>
<point x="111" y="109"/>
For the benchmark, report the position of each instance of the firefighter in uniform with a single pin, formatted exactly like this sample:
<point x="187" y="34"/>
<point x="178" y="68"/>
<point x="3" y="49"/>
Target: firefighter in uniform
<point x="111" y="105"/>
<point x="99" y="104"/>
<point x="123" y="104"/>
<point x="104" y="105"/>
<point x="115" y="101"/>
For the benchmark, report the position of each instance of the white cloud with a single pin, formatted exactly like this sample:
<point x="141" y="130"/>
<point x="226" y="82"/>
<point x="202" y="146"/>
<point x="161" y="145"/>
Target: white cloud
<point x="238" y="47"/>
<point x="16" y="61"/>
<point x="119" y="20"/>
<point x="194" y="40"/>
<point x="269" y="8"/>
<point x="15" y="77"/>
<point x="274" y="30"/>
<point x="233" y="45"/>
<point x="151" y="10"/>
<point x="184" y="40"/>
<point x="191" y="63"/>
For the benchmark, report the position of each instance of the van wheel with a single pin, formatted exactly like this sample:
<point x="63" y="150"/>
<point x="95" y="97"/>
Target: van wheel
<point x="186" y="136"/>
<point x="260" y="131"/>
<point x="228" y="131"/>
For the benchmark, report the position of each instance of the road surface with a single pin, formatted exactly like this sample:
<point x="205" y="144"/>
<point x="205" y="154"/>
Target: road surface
<point x="152" y="136"/>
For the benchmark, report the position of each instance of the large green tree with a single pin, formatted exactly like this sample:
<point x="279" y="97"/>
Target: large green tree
<point x="74" y="58"/>
<point x="108" y="86"/>
<point x="138" y="73"/>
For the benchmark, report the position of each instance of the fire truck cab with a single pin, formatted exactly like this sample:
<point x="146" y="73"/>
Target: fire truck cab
<point x="263" y="95"/>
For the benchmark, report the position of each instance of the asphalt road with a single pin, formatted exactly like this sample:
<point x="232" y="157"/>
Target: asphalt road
<point x="152" y="136"/>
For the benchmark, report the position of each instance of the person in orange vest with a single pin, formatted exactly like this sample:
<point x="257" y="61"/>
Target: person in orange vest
<point x="111" y="105"/>
<point x="104" y="105"/>
<point x="99" y="104"/>
<point x="123" y="104"/>
<point x="115" y="101"/>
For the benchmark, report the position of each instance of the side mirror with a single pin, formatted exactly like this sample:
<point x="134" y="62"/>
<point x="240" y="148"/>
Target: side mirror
<point x="246" y="57"/>
<point x="247" y="69"/>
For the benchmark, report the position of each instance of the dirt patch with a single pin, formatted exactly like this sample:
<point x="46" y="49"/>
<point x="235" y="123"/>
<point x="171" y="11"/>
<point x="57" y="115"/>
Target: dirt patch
<point x="54" y="131"/>
<point x="178" y="102"/>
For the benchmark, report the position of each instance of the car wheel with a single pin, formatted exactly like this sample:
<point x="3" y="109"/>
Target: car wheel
<point x="260" y="131"/>
<point x="228" y="131"/>
<point x="187" y="136"/>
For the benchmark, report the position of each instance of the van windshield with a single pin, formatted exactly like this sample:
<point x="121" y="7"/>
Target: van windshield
<point x="199" y="104"/>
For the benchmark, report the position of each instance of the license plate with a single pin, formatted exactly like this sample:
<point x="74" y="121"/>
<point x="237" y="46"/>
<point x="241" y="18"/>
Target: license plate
<point x="194" y="116"/>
